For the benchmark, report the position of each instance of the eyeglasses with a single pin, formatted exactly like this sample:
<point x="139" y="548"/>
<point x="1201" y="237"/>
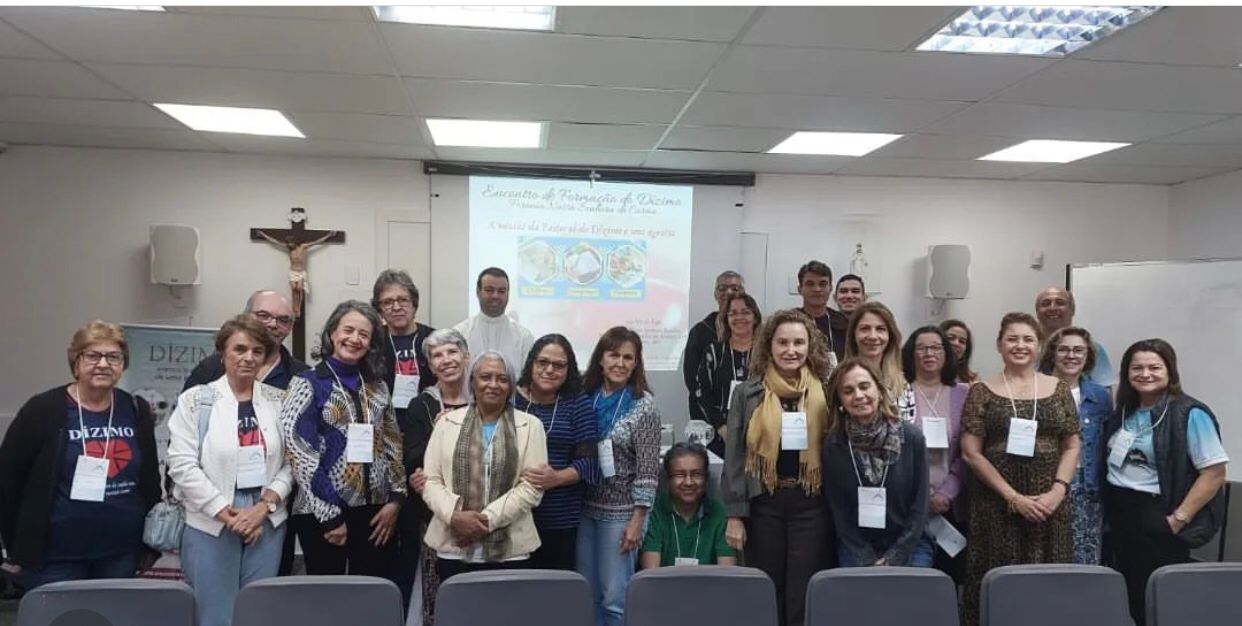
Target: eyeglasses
<point x="681" y="477"/>
<point x="929" y="350"/>
<point x="555" y="366"/>
<point x="1075" y="351"/>
<point x="265" y="317"/>
<point x="392" y="303"/>
<point x="113" y="358"/>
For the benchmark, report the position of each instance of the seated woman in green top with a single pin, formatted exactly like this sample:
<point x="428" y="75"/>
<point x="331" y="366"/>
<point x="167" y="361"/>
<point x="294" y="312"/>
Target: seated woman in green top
<point x="686" y="527"/>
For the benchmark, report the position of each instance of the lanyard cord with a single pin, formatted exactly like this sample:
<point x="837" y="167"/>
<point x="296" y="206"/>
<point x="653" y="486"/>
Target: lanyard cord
<point x="854" y="464"/>
<point x="933" y="404"/>
<point x="698" y="533"/>
<point x="1151" y="427"/>
<point x="530" y="403"/>
<point x="1014" y="404"/>
<point x="107" y="431"/>
<point x="362" y="390"/>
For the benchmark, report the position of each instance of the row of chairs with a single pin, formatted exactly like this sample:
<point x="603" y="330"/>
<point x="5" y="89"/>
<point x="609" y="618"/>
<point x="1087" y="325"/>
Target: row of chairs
<point x="1199" y="594"/>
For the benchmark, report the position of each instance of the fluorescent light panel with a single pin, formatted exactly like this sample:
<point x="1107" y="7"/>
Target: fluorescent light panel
<point x="514" y="17"/>
<point x="232" y="120"/>
<point x="1052" y="151"/>
<point x="486" y="134"/>
<point x="1053" y="31"/>
<point x="832" y="143"/>
<point x="123" y="7"/>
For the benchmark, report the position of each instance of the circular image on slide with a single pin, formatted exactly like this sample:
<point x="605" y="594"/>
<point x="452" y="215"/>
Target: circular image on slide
<point x="627" y="265"/>
<point x="538" y="261"/>
<point x="583" y="263"/>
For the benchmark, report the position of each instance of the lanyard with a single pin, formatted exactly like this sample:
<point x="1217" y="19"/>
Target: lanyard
<point x="612" y="421"/>
<point x="934" y="405"/>
<point x="107" y="431"/>
<point x="362" y="390"/>
<point x="854" y="463"/>
<point x="698" y="533"/>
<point x="1149" y="428"/>
<point x="396" y="357"/>
<point x="1012" y="403"/>
<point x="530" y="403"/>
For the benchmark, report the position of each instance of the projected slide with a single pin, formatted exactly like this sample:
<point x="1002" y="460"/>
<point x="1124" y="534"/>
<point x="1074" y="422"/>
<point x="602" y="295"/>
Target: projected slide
<point x="582" y="258"/>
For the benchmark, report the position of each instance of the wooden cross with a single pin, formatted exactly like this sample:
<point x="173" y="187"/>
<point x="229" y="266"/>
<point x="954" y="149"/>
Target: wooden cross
<point x="297" y="241"/>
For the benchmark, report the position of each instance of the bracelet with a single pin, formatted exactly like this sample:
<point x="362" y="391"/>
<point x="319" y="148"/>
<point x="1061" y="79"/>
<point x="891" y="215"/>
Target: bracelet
<point x="1058" y="481"/>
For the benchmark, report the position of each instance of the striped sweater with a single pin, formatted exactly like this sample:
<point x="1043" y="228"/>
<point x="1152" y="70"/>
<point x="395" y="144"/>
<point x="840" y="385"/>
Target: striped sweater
<point x="572" y="435"/>
<point x="636" y="455"/>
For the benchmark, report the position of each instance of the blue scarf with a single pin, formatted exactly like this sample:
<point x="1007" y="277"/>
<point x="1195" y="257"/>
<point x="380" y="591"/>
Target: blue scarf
<point x="608" y="409"/>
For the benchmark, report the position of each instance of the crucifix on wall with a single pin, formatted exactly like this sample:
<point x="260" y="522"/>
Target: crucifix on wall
<point x="297" y="241"/>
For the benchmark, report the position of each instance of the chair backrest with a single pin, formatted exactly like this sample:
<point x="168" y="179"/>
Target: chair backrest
<point x="881" y="596"/>
<point x="521" y="597"/>
<point x="708" y="594"/>
<point x="1060" y="595"/>
<point x="1195" y="594"/>
<point x="319" y="601"/>
<point x="108" y="602"/>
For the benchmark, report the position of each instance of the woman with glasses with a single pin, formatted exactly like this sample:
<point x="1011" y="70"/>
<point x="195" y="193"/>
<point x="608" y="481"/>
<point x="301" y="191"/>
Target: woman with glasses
<point x="726" y="364"/>
<point x="78" y="470"/>
<point x="686" y="526"/>
<point x="550" y="388"/>
<point x="1069" y="353"/>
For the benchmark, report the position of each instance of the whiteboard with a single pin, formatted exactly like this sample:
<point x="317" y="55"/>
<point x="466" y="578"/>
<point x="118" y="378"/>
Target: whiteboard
<point x="1194" y="305"/>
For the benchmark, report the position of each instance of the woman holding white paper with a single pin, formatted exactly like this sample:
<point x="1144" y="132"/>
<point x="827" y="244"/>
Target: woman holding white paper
<point x="931" y="371"/>
<point x="1021" y="442"/>
<point x="875" y="473"/>
<point x="226" y="457"/>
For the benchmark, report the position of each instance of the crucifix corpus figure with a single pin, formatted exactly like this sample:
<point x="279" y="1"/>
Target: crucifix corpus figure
<point x="297" y="241"/>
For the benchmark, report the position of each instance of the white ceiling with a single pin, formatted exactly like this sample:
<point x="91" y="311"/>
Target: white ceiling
<point x="660" y="87"/>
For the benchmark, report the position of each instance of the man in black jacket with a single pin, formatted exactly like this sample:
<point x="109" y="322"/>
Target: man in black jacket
<point x="703" y="334"/>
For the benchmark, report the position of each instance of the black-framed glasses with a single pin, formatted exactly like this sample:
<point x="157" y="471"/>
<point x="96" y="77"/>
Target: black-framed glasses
<point x="113" y="358"/>
<point x="391" y="303"/>
<point x="555" y="366"/>
<point x="265" y="317"/>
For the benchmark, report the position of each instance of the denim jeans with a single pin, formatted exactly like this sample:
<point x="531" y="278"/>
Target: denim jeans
<point x="218" y="567"/>
<point x="607" y="571"/>
<point x="121" y="566"/>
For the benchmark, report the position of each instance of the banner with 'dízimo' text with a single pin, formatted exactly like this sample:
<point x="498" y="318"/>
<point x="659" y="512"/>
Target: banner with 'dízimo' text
<point x="160" y="359"/>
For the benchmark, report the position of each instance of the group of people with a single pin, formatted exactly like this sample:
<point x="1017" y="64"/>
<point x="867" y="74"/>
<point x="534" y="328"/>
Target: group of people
<point x="408" y="449"/>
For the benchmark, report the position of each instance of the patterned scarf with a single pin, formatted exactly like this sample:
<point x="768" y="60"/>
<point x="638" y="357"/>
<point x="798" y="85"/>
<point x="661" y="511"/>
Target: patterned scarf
<point x="877" y="444"/>
<point x="469" y="471"/>
<point x="763" y="436"/>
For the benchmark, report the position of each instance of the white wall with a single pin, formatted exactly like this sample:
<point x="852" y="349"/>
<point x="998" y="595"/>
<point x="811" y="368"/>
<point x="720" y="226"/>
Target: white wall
<point x="75" y="239"/>
<point x="1205" y="218"/>
<point x="1002" y="222"/>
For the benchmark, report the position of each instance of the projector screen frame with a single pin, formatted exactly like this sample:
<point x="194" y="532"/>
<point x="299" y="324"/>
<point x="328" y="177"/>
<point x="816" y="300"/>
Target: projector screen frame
<point x="595" y="174"/>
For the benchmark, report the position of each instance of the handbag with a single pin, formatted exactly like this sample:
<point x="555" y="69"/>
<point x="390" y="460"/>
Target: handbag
<point x="166" y="520"/>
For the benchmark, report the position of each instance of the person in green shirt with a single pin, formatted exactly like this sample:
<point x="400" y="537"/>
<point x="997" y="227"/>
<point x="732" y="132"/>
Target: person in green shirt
<point x="686" y="527"/>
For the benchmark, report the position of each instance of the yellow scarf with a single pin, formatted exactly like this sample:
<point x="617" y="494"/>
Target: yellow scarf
<point x="763" y="437"/>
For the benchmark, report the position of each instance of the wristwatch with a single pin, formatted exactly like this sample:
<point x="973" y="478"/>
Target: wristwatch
<point x="271" y="506"/>
<point x="1179" y="516"/>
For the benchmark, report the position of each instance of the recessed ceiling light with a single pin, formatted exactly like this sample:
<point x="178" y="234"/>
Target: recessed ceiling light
<point x="515" y="17"/>
<point x="123" y="7"/>
<point x="839" y="144"/>
<point x="1052" y="151"/>
<point x="232" y="120"/>
<point x="1052" y="31"/>
<point x="486" y="134"/>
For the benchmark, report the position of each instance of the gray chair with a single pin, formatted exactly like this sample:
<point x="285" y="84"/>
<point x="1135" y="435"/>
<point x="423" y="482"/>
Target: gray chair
<point x="108" y="602"/>
<point x="1051" y="594"/>
<point x="319" y="601"/>
<point x="520" y="597"/>
<point x="1195" y="594"/>
<point x="906" y="595"/>
<point x="708" y="594"/>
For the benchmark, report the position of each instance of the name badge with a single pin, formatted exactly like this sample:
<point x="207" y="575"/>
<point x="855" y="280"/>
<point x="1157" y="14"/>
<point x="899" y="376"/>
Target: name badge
<point x="732" y="385"/>
<point x="251" y="467"/>
<point x="947" y="537"/>
<point x="872" y="507"/>
<point x="936" y="432"/>
<point x="793" y="431"/>
<point x="685" y="561"/>
<point x="404" y="389"/>
<point x="1022" y="436"/>
<point x="360" y="444"/>
<point x="606" y="464"/>
<point x="1120" y="447"/>
<point x="90" y="479"/>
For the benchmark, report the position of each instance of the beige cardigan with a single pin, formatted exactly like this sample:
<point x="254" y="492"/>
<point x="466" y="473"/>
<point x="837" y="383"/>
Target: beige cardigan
<point x="511" y="509"/>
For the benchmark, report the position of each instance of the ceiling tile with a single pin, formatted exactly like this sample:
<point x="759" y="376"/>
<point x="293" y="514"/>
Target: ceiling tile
<point x="741" y="162"/>
<point x="358" y="13"/>
<point x="1046" y="122"/>
<point x="951" y="147"/>
<point x="604" y="136"/>
<point x="550" y="59"/>
<point x="394" y="129"/>
<point x="580" y="158"/>
<point x="1084" y="172"/>
<point x="104" y="137"/>
<point x="699" y="23"/>
<point x="15" y="44"/>
<point x="860" y="27"/>
<point x="724" y="138"/>
<point x="203" y="40"/>
<point x="859" y="73"/>
<point x="1171" y="154"/>
<point x="1224" y="132"/>
<point x="1181" y="35"/>
<point x="504" y="101"/>
<point x="874" y="166"/>
<point x="317" y="147"/>
<point x="816" y="112"/>
<point x="83" y="112"/>
<point x="54" y="79"/>
<point x="1133" y="87"/>
<point x="287" y="91"/>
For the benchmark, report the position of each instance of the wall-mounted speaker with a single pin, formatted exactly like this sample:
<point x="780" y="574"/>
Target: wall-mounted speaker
<point x="174" y="255"/>
<point x="948" y="271"/>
